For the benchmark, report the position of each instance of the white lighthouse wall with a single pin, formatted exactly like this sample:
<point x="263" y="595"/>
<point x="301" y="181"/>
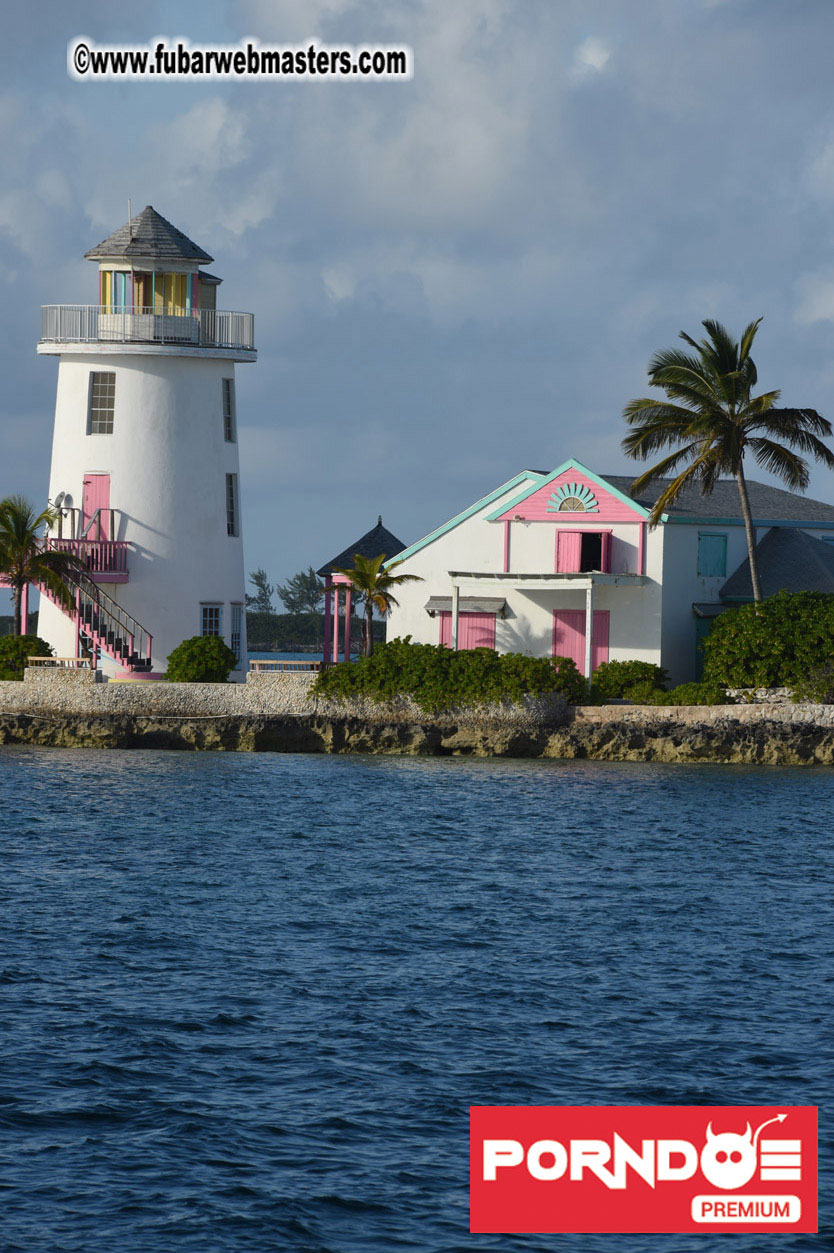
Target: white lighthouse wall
<point x="167" y="460"/>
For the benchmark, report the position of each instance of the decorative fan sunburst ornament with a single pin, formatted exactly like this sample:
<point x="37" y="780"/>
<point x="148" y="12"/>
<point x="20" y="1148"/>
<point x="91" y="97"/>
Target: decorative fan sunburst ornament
<point x="573" y="498"/>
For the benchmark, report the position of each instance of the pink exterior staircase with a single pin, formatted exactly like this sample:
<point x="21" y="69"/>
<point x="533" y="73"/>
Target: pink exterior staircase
<point x="105" y="623"/>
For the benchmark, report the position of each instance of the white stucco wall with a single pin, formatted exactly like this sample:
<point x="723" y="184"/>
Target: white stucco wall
<point x="167" y="460"/>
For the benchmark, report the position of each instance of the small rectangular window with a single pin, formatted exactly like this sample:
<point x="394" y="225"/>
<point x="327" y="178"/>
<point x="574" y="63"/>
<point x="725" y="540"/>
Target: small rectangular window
<point x="712" y="555"/>
<point x="229" y="411"/>
<point x="236" y="633"/>
<point x="211" y="619"/>
<point x="102" y="404"/>
<point x="232" y="527"/>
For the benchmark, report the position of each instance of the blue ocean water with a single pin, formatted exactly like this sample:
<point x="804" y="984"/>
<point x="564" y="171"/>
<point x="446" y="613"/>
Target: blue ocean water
<point x="247" y="1000"/>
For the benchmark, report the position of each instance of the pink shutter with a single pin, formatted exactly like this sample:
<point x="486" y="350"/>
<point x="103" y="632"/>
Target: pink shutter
<point x="97" y="496"/>
<point x="599" y="638"/>
<point x="605" y="559"/>
<point x="569" y="635"/>
<point x="568" y="552"/>
<point x="477" y="630"/>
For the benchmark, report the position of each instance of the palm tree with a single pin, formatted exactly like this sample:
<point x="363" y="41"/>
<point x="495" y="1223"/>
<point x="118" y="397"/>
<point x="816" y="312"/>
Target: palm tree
<point x="711" y="419"/>
<point x="372" y="584"/>
<point x="23" y="559"/>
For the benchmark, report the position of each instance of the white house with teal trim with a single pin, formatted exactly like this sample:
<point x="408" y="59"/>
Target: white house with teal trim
<point x="565" y="563"/>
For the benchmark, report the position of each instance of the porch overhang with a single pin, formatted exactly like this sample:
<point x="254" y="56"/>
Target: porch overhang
<point x="579" y="582"/>
<point x="467" y="604"/>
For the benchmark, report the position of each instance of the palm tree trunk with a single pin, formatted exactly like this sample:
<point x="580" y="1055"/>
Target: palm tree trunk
<point x="368" y="630"/>
<point x="751" y="534"/>
<point x="17" y="600"/>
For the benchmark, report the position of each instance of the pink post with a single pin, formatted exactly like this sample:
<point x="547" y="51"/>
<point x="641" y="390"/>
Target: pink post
<point x="327" y="620"/>
<point x="24" y="609"/>
<point x="336" y="622"/>
<point x="346" y="653"/>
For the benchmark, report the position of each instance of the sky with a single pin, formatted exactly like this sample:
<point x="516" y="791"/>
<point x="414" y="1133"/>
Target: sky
<point x="453" y="278"/>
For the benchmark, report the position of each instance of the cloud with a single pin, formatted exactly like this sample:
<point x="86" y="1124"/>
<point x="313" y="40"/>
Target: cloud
<point x="815" y="299"/>
<point x="591" y="57"/>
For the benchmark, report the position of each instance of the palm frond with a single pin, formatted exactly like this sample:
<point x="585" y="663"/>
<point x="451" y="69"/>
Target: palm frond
<point x="698" y="472"/>
<point x="784" y="422"/>
<point x="785" y="464"/>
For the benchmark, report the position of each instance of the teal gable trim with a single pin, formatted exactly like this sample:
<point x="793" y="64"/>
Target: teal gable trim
<point x="571" y="464"/>
<point x="467" y="513"/>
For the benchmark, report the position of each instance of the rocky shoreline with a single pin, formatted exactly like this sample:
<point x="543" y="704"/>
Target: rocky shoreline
<point x="636" y="734"/>
<point x="278" y="712"/>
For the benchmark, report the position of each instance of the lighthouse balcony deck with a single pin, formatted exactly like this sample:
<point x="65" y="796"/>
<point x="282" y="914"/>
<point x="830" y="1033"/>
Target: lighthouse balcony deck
<point x="176" y="328"/>
<point x="105" y="559"/>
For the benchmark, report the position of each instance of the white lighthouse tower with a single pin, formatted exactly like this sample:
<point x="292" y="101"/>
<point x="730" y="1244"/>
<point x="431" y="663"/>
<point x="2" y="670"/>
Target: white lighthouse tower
<point x="145" y="462"/>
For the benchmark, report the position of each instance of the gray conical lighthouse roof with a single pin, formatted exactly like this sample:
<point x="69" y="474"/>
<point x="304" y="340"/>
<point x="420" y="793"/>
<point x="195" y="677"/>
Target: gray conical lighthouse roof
<point x="151" y="237"/>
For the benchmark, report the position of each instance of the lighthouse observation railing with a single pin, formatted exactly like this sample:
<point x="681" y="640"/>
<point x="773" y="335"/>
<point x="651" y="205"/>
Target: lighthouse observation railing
<point x="102" y="324"/>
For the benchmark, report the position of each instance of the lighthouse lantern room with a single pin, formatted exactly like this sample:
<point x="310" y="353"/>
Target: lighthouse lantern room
<point x="145" y="473"/>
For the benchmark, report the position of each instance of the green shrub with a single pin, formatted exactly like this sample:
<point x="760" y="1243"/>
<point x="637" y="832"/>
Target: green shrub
<point x="781" y="642"/>
<point x="817" y="685"/>
<point x="612" y="679"/>
<point x="645" y="693"/>
<point x="698" y="694"/>
<point x="202" y="659"/>
<point x="683" y="694"/>
<point x="437" y="678"/>
<point x="14" y="649"/>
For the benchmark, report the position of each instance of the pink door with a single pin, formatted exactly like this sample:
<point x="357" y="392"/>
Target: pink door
<point x="96" y="496"/>
<point x="475" y="630"/>
<point x="569" y="636"/>
<point x="568" y="552"/>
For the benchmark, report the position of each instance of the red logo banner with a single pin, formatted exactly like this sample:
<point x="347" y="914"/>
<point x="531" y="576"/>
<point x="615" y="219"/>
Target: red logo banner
<point x="643" y="1168"/>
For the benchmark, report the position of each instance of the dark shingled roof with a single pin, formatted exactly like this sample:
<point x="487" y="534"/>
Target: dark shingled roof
<point x="766" y="503"/>
<point x="148" y="236"/>
<point x="373" y="542"/>
<point x="790" y="560"/>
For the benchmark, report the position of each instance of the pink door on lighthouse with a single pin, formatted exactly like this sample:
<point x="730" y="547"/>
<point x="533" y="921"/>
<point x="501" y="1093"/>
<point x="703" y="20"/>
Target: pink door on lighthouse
<point x="569" y="636"/>
<point x="96" y="496"/>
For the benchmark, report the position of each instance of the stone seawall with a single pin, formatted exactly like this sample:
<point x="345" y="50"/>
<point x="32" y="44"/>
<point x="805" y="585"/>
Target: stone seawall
<point x="273" y="713"/>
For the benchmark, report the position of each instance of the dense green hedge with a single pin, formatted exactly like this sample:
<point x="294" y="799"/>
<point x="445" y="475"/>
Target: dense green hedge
<point x="645" y="684"/>
<point x="202" y="659"/>
<point x="614" y="679"/>
<point x="785" y="641"/>
<point x="437" y="678"/>
<point x="683" y="694"/>
<point x="14" y="649"/>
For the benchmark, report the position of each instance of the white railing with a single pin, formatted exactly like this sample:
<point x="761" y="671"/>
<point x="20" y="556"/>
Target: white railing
<point x="263" y="665"/>
<point x="94" y="324"/>
<point x="61" y="663"/>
